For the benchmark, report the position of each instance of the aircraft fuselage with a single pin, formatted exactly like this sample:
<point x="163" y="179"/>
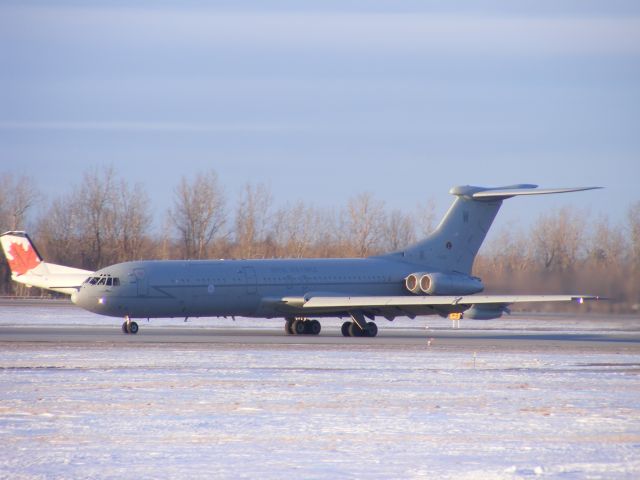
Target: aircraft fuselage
<point x="234" y="287"/>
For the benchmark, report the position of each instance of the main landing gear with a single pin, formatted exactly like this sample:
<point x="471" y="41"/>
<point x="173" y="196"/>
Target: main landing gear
<point x="351" y="329"/>
<point x="129" y="326"/>
<point x="302" y="326"/>
<point x="359" y="327"/>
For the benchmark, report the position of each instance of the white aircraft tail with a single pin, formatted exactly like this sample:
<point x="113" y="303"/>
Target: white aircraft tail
<point x="27" y="266"/>
<point x="455" y="242"/>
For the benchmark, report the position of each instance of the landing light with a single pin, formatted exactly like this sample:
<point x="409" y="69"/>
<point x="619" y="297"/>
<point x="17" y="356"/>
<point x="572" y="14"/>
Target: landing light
<point x="101" y="300"/>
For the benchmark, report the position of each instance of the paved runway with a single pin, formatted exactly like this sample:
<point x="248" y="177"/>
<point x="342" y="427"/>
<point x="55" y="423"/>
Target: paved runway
<point x="59" y="322"/>
<point x="490" y="339"/>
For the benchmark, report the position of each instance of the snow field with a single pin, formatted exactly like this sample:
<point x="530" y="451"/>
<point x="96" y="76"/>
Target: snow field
<point x="307" y="411"/>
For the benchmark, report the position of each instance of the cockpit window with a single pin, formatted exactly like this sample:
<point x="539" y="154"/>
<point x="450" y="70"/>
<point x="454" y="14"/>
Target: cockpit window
<point x="107" y="280"/>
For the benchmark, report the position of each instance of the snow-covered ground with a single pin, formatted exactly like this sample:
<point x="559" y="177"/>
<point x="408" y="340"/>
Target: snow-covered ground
<point x="312" y="411"/>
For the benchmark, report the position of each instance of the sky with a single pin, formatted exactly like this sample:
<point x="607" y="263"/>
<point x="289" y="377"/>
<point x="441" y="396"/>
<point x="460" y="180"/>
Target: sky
<point x="324" y="100"/>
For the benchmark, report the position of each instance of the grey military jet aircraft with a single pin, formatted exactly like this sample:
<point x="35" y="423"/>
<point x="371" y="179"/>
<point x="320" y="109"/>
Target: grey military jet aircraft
<point x="433" y="276"/>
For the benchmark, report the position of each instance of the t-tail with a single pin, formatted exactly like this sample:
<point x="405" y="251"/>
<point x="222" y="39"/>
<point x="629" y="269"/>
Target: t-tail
<point x="453" y="246"/>
<point x="28" y="268"/>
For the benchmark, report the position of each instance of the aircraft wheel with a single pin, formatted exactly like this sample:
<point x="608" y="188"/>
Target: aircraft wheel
<point x="345" y="329"/>
<point x="298" y="327"/>
<point x="133" y="328"/>
<point x="124" y="327"/>
<point x="355" y="331"/>
<point x="288" y="326"/>
<point x="372" y="329"/>
<point x="314" y="327"/>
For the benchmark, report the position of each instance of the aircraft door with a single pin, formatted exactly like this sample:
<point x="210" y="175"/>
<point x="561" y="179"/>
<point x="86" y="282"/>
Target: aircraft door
<point x="251" y="280"/>
<point x="141" y="278"/>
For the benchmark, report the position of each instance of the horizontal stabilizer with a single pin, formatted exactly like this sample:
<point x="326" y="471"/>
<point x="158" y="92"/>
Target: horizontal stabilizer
<point x="501" y="194"/>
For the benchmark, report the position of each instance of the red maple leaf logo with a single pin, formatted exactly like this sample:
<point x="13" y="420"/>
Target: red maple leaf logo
<point x="24" y="258"/>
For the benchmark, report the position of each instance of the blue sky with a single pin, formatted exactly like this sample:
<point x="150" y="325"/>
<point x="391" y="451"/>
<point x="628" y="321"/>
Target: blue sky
<point x="402" y="99"/>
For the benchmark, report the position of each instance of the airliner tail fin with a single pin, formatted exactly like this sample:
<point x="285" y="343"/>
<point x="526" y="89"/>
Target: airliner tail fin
<point x="28" y="267"/>
<point x="455" y="242"/>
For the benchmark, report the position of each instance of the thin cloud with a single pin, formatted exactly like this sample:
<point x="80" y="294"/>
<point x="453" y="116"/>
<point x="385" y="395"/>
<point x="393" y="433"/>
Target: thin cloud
<point x="175" y="28"/>
<point x="149" y="127"/>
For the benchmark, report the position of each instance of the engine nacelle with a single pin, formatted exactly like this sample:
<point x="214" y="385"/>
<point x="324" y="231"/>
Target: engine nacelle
<point x="485" y="312"/>
<point x="412" y="282"/>
<point x="443" y="284"/>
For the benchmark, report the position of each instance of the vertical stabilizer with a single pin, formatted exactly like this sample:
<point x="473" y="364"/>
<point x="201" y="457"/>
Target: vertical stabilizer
<point x="21" y="253"/>
<point x="28" y="268"/>
<point x="454" y="244"/>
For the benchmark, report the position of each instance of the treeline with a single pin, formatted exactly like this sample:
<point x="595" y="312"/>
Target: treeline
<point x="105" y="219"/>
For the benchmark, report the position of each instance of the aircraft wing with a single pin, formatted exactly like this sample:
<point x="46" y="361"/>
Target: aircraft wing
<point x="413" y="305"/>
<point x="416" y="300"/>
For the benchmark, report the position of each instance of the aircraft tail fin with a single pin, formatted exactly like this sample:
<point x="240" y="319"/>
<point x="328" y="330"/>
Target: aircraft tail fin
<point x="455" y="242"/>
<point x="28" y="267"/>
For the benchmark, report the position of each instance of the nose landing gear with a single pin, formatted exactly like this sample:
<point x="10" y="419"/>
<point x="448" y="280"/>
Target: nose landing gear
<point x="129" y="326"/>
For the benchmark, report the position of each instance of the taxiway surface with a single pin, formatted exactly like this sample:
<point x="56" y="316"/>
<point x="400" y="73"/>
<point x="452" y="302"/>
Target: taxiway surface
<point x="443" y="338"/>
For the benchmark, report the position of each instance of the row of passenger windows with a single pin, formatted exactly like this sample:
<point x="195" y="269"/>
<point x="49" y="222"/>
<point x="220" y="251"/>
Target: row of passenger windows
<point x="109" y="281"/>
<point x="329" y="278"/>
<point x="287" y="279"/>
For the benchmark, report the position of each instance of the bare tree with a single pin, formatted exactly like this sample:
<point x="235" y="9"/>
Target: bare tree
<point x="606" y="247"/>
<point x="96" y="200"/>
<point x="294" y="230"/>
<point x="60" y="232"/>
<point x="18" y="195"/>
<point x="633" y="217"/>
<point x="100" y="222"/>
<point x="253" y="215"/>
<point x="557" y="238"/>
<point x="198" y="213"/>
<point x="364" y="218"/>
<point x="426" y="217"/>
<point x="398" y="231"/>
<point x="132" y="220"/>
<point x="301" y="230"/>
<point x="511" y="251"/>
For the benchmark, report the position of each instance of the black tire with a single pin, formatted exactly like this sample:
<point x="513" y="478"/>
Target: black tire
<point x="298" y="327"/>
<point x="307" y="327"/>
<point x="288" y="326"/>
<point x="355" y="330"/>
<point x="345" y="329"/>
<point x="315" y="327"/>
<point x="133" y="328"/>
<point x="372" y="329"/>
<point x="124" y="327"/>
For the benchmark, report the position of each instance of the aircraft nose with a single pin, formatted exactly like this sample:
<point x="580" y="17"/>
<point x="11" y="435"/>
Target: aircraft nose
<point x="83" y="299"/>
